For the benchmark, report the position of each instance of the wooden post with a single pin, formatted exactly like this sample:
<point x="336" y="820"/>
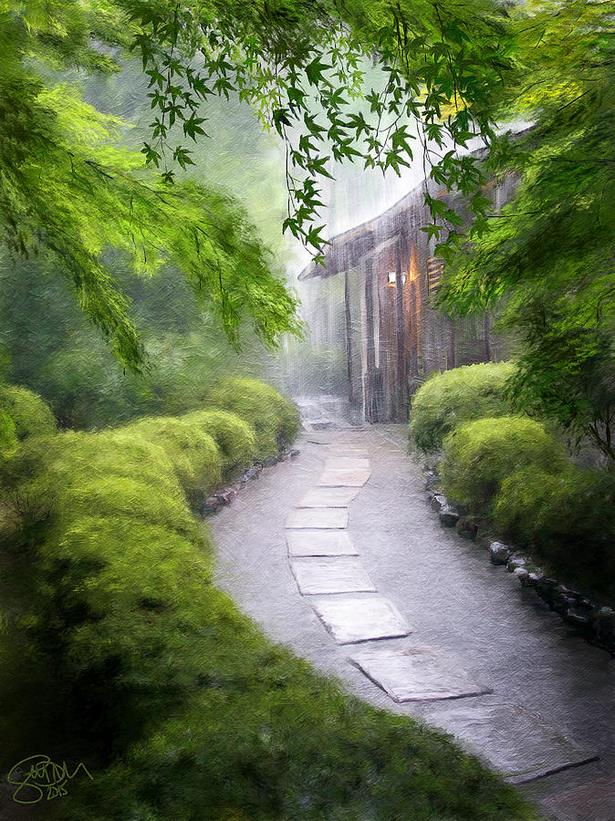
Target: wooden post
<point x="348" y="317"/>
<point x="369" y="314"/>
<point x="402" y="376"/>
<point x="372" y="388"/>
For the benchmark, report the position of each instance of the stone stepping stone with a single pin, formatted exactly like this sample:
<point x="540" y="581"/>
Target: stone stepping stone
<point x="512" y="739"/>
<point x="343" y="575"/>
<point x="318" y="517"/>
<point x="329" y="497"/>
<point x="346" y="463"/>
<point x="353" y="619"/>
<point x="319" y="543"/>
<point x="344" y="478"/>
<point x="415" y="674"/>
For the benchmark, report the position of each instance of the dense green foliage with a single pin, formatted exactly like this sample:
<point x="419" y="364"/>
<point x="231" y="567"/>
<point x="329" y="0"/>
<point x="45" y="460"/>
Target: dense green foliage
<point x="479" y="455"/>
<point x="118" y="648"/>
<point x="548" y="256"/>
<point x="235" y="438"/>
<point x="51" y="348"/>
<point x="193" y="453"/>
<point x="302" y="65"/>
<point x="446" y="72"/>
<point x="515" y="476"/>
<point x="29" y="415"/>
<point x="274" y="420"/>
<point x="69" y="193"/>
<point x="448" y="399"/>
<point x="565" y="518"/>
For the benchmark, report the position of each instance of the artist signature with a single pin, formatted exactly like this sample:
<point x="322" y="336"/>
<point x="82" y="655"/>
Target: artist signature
<point x="38" y="777"/>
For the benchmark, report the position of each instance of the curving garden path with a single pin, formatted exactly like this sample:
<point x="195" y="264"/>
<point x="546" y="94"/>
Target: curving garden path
<point x="338" y="555"/>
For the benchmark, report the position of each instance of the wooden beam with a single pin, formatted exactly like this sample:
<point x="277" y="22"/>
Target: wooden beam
<point x="400" y="334"/>
<point x="348" y="318"/>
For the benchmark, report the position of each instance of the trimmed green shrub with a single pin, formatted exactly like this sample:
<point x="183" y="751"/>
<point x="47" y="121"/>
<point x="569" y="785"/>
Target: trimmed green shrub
<point x="565" y="518"/>
<point x="479" y="455"/>
<point x="451" y="398"/>
<point x="193" y="452"/>
<point x="234" y="437"/>
<point x="8" y="435"/>
<point x="118" y="646"/>
<point x="274" y="418"/>
<point x="91" y="475"/>
<point x="31" y="416"/>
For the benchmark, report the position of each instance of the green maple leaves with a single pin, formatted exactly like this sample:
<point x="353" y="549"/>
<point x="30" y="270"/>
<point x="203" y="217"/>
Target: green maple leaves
<point x="305" y="75"/>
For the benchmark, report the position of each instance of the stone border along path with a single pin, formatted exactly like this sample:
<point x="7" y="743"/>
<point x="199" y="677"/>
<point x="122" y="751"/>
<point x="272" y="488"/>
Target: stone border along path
<point x="466" y="626"/>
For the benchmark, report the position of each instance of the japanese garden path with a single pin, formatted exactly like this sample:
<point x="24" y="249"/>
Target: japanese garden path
<point x="338" y="555"/>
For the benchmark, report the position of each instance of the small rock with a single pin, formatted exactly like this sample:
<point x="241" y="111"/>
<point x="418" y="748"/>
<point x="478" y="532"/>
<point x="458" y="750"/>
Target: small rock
<point x="448" y="515"/>
<point x="438" y="501"/>
<point x="225" y="497"/>
<point x="251" y="473"/>
<point x="533" y="577"/>
<point x="522" y="574"/>
<point x="294" y="453"/>
<point x="211" y="504"/>
<point x="546" y="589"/>
<point x="579" y="617"/>
<point x="499" y="553"/>
<point x="514" y="562"/>
<point x="562" y="600"/>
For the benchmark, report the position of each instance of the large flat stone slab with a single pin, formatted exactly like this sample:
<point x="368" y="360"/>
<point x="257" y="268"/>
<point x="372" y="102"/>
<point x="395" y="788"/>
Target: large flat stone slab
<point x="353" y="619"/>
<point x="320" y="543"/>
<point x="346" y="463"/>
<point x="415" y="674"/>
<point x="344" y="478"/>
<point x="329" y="497"/>
<point x="332" y="575"/>
<point x="512" y="739"/>
<point x="318" y="517"/>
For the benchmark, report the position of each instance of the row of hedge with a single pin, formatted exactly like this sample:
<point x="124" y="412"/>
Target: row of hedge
<point x="515" y="473"/>
<point x="118" y="649"/>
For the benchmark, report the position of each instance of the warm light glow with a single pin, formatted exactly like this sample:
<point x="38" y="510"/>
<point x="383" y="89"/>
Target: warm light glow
<point x="413" y="267"/>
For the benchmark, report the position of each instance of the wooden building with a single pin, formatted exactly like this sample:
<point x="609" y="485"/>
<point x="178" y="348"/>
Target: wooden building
<point x="394" y="336"/>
